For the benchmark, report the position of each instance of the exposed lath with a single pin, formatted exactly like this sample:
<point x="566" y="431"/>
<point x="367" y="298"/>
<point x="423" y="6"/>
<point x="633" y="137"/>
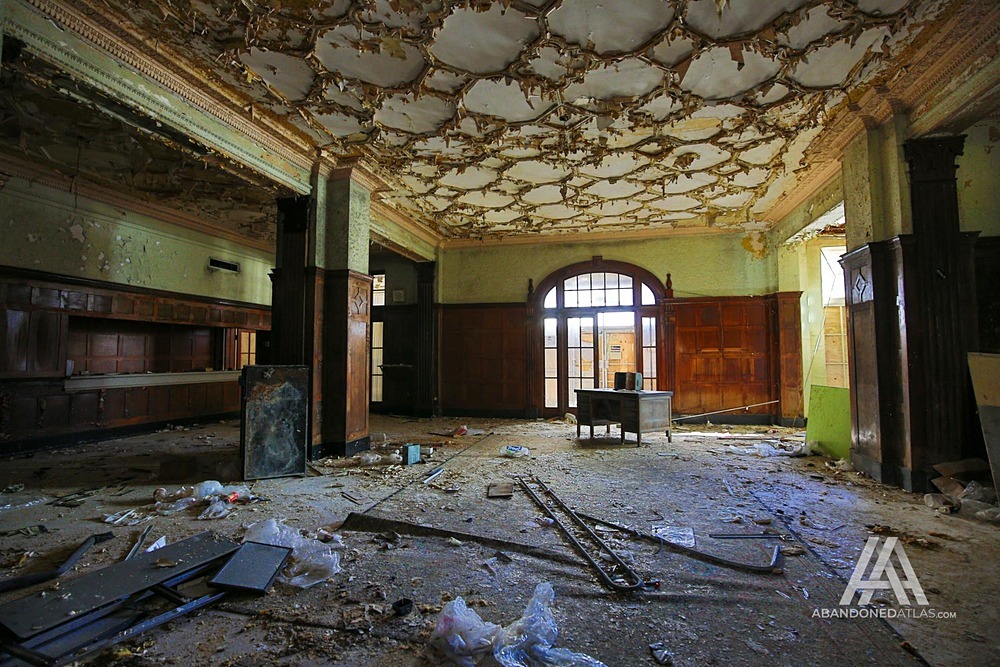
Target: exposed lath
<point x="505" y="118"/>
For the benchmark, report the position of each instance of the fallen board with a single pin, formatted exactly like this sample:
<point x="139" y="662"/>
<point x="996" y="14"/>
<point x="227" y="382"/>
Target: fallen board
<point x="500" y="490"/>
<point x="253" y="568"/>
<point x="985" y="371"/>
<point x="45" y="610"/>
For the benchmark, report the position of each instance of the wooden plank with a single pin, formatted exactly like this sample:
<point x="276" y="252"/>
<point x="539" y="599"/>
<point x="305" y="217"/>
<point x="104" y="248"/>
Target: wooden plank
<point x="985" y="371"/>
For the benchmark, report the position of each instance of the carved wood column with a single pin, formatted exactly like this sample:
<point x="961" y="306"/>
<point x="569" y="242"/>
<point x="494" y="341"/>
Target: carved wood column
<point x="939" y="392"/>
<point x="322" y="307"/>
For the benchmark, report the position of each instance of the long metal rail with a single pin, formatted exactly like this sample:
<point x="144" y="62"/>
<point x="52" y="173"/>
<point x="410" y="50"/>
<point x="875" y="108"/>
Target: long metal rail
<point x="624" y="581"/>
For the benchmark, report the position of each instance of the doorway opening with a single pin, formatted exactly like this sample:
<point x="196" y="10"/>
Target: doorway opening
<point x="598" y="318"/>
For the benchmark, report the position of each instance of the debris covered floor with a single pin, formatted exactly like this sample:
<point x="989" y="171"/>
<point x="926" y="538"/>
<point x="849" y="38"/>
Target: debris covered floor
<point x="703" y="614"/>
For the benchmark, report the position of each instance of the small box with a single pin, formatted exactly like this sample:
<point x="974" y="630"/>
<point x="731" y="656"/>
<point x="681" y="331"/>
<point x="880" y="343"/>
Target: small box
<point x="410" y="454"/>
<point x="630" y="381"/>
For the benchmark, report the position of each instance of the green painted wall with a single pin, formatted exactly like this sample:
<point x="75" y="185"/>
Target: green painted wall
<point x="978" y="174"/>
<point x="49" y="230"/>
<point x="830" y="420"/>
<point x="712" y="265"/>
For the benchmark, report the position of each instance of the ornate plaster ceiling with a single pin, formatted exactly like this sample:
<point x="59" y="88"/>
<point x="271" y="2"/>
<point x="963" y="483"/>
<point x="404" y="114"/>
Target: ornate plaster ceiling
<point x="491" y="119"/>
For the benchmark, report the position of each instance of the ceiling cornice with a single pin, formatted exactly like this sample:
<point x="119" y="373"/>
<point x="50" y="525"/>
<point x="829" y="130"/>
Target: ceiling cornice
<point x="12" y="166"/>
<point x="589" y="237"/>
<point x="933" y="60"/>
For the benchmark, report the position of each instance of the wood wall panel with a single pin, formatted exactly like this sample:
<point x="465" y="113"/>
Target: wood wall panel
<point x="723" y="357"/>
<point x="484" y="358"/>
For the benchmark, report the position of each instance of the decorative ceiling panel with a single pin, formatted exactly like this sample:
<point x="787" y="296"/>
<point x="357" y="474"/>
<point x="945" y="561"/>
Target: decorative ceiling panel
<point x="511" y="117"/>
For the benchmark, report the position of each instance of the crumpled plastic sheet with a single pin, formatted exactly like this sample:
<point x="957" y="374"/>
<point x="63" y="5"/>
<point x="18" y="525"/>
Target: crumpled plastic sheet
<point x="311" y="562"/>
<point x="465" y="638"/>
<point x="768" y="449"/>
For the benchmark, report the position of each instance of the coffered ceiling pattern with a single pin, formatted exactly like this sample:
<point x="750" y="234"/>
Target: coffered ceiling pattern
<point x="492" y="119"/>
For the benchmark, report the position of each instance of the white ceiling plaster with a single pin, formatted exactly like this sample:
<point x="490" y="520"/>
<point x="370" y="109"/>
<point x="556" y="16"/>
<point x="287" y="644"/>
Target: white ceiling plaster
<point x="420" y="116"/>
<point x="391" y="64"/>
<point x="496" y="37"/>
<point x="566" y="115"/>
<point x="585" y="23"/>
<point x="291" y="77"/>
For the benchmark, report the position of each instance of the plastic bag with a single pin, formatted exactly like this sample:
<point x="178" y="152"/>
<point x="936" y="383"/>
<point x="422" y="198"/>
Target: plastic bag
<point x="768" y="449"/>
<point x="461" y="635"/>
<point x="528" y="641"/>
<point x="219" y="508"/>
<point x="168" y="508"/>
<point x="976" y="491"/>
<point x="311" y="561"/>
<point x="514" y="451"/>
<point x="465" y="638"/>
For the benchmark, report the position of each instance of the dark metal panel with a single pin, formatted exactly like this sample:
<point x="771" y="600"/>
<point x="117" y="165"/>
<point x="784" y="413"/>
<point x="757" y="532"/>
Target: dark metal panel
<point x="37" y="613"/>
<point x="274" y="422"/>
<point x="253" y="568"/>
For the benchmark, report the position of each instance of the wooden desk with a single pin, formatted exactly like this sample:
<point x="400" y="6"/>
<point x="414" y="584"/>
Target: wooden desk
<point x="635" y="411"/>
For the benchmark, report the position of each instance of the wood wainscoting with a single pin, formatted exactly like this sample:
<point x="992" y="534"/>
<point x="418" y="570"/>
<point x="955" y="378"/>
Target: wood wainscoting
<point x="103" y="328"/>
<point x="484" y="359"/>
<point x="717" y="353"/>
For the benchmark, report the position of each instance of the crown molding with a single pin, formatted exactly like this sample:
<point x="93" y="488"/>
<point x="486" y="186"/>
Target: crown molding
<point x="553" y="238"/>
<point x="12" y="166"/>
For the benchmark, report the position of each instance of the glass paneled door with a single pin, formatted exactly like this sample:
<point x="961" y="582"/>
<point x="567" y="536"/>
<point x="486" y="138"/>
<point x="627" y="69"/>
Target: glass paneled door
<point x="596" y="324"/>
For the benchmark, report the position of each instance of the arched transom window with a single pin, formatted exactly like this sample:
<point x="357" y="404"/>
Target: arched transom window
<point x="598" y="318"/>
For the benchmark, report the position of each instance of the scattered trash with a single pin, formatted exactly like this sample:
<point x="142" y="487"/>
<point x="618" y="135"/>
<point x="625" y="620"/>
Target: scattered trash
<point x="432" y="475"/>
<point x="570" y="418"/>
<point x="514" y="451"/>
<point x="992" y="515"/>
<point x="972" y="507"/>
<point x="976" y="491"/>
<point x="30" y="503"/>
<point x="179" y="505"/>
<point x="502" y="489"/>
<point x="460" y="431"/>
<point x="463" y="637"/>
<point x="661" y="654"/>
<point x="312" y="561"/>
<point x="682" y="535"/>
<point x="409" y="454"/>
<point x="949" y="486"/>
<point x="219" y="508"/>
<point x="203" y="491"/>
<point x="158" y="544"/>
<point x="773" y="448"/>
<point x="793" y="550"/>
<point x="454" y="542"/>
<point x="940" y="502"/>
<point x="402" y="607"/>
<point x="28" y="531"/>
<point x="13" y="488"/>
<point x="843" y="465"/>
<point x="546" y="521"/>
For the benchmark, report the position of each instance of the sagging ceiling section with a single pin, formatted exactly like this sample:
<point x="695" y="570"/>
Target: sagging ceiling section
<point x="514" y="117"/>
<point x="54" y="122"/>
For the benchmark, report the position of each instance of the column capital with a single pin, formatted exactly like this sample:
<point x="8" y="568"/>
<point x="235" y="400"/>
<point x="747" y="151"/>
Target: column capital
<point x="933" y="158"/>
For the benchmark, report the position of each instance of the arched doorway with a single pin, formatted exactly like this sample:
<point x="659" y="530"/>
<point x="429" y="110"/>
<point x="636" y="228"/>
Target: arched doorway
<point x="594" y="319"/>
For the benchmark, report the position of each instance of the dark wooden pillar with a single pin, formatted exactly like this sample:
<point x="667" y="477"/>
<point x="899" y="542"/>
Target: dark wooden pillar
<point x="939" y="384"/>
<point x="425" y="352"/>
<point x="321" y="309"/>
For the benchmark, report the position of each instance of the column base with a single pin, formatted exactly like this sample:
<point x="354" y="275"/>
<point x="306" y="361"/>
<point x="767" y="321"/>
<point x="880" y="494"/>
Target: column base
<point x="892" y="475"/>
<point x="324" y="449"/>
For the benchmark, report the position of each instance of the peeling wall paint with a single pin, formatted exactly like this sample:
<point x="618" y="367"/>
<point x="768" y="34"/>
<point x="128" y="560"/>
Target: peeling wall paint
<point x="978" y="169"/>
<point x="343" y="236"/>
<point x="49" y="230"/>
<point x="715" y="265"/>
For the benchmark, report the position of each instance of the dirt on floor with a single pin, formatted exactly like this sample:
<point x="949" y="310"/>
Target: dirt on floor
<point x="699" y="612"/>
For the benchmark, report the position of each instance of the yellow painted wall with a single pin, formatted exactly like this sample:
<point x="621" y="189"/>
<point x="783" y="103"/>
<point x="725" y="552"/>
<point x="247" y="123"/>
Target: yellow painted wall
<point x="50" y="230"/>
<point x="978" y="179"/>
<point x="713" y="265"/>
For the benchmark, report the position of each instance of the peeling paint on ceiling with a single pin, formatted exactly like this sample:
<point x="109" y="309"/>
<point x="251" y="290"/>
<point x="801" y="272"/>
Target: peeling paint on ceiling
<point x="493" y="118"/>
